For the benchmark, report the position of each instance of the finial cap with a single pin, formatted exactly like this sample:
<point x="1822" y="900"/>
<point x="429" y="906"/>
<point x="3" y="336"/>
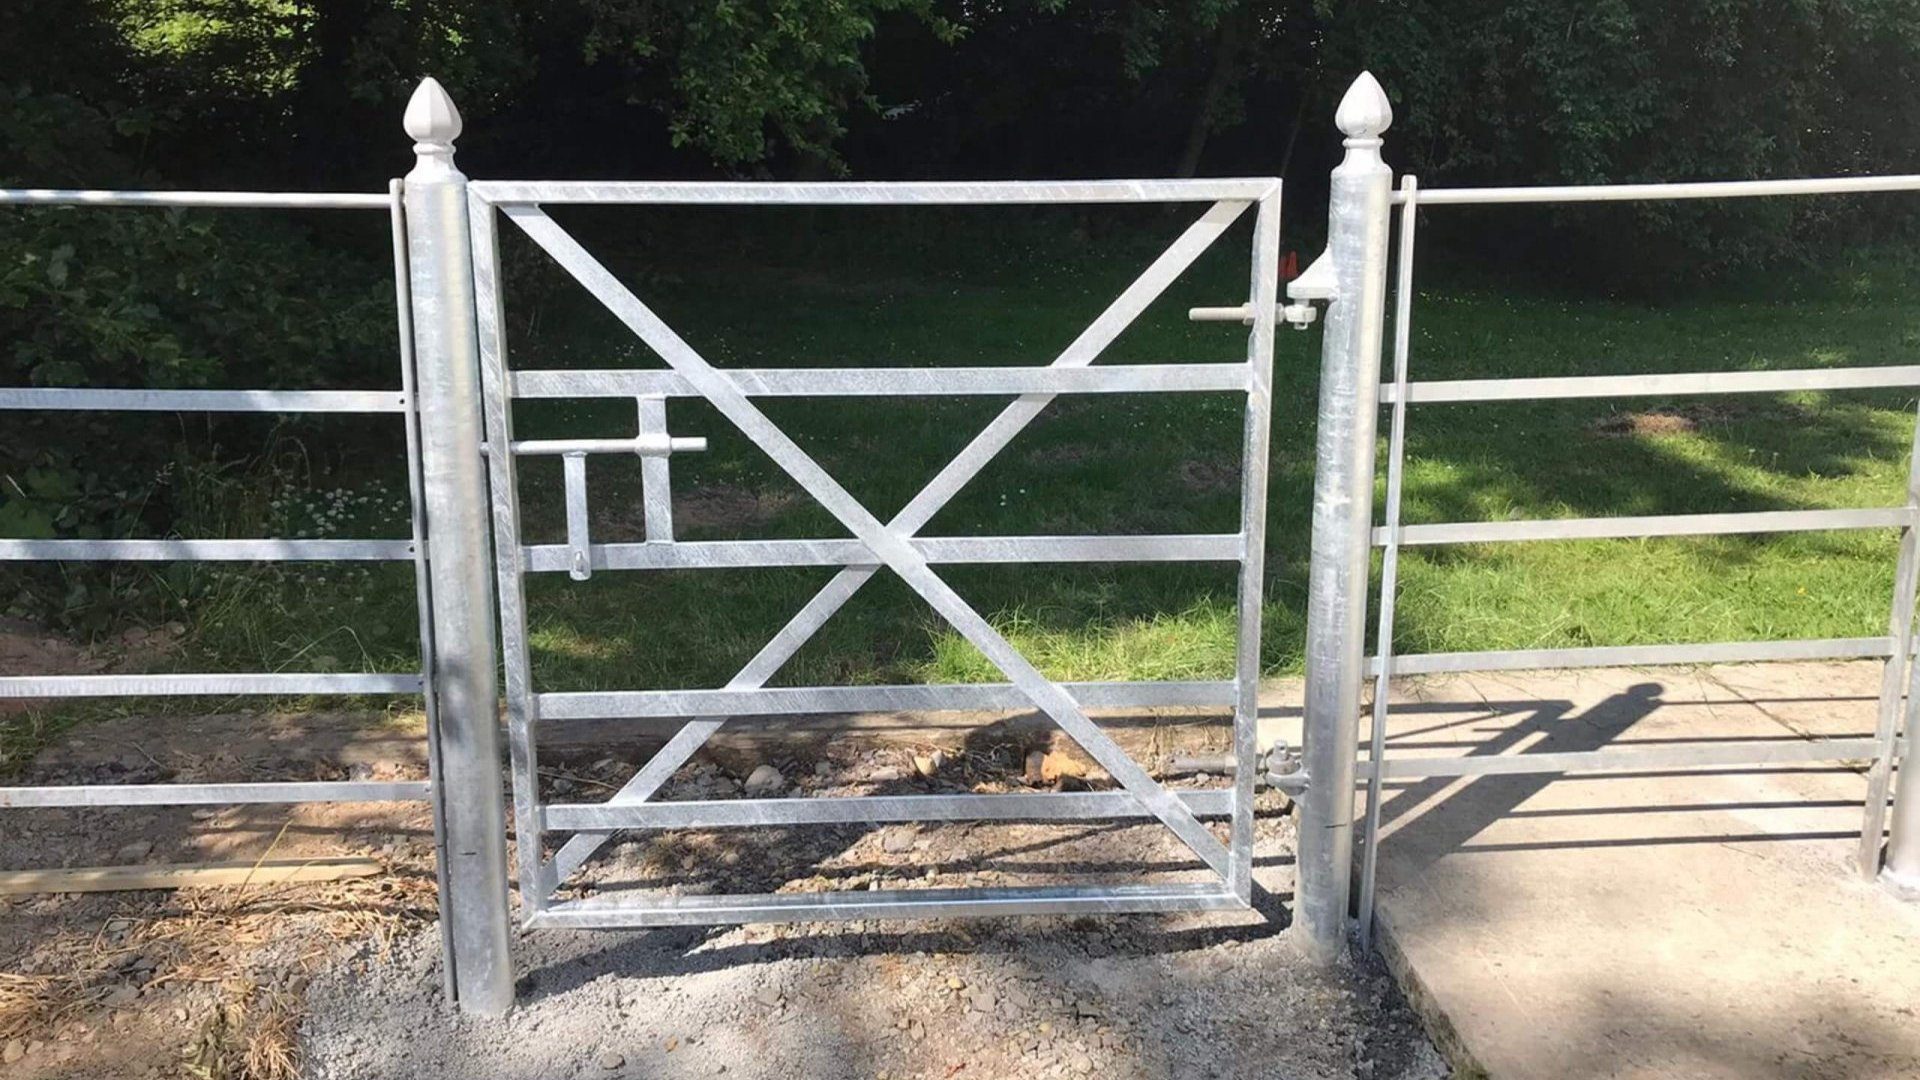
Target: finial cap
<point x="1364" y="112"/>
<point x="431" y="117"/>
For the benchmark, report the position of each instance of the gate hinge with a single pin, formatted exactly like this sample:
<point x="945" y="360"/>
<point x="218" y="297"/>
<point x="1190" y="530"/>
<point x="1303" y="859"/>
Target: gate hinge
<point x="1279" y="767"/>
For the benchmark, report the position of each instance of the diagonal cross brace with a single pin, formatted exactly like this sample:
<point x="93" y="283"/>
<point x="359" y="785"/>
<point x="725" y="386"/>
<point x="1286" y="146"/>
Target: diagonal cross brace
<point x="889" y="546"/>
<point x="1082" y="352"/>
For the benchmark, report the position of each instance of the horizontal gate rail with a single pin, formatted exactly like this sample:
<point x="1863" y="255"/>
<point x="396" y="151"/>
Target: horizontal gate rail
<point x="892" y="382"/>
<point x="612" y="910"/>
<point x="934" y="697"/>
<point x="867" y="809"/>
<point x="872" y="193"/>
<point x="1896" y="647"/>
<point x="724" y="554"/>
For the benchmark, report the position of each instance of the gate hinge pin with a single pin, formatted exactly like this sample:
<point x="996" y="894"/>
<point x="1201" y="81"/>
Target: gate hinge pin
<point x="1279" y="767"/>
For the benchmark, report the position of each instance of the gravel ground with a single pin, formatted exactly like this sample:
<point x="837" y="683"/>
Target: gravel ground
<point x="1215" y="995"/>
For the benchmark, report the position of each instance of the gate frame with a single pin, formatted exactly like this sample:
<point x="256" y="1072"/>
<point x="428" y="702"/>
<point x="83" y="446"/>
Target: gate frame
<point x="1344" y="536"/>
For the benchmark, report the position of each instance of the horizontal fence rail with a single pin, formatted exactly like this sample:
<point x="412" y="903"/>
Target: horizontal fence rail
<point x="1707" y="189"/>
<point x="306" y="791"/>
<point x="208" y="550"/>
<point x="228" y="200"/>
<point x="222" y="401"/>
<point x="1903" y="376"/>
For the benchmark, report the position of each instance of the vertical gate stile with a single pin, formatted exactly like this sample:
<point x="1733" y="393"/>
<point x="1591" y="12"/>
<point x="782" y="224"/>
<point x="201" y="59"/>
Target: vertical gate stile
<point x="440" y="267"/>
<point x="536" y="875"/>
<point x="1264" y="295"/>
<point x="1357" y="227"/>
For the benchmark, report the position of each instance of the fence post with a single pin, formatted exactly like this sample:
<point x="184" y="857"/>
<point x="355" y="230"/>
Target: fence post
<point x="1901" y="872"/>
<point x="440" y="262"/>
<point x="1357" y="226"/>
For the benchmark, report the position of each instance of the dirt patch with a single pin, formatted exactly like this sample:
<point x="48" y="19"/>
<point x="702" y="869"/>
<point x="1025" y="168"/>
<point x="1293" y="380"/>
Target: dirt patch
<point x="1197" y="475"/>
<point x="725" y="508"/>
<point x="1677" y="420"/>
<point x="25" y="649"/>
<point x="201" y="982"/>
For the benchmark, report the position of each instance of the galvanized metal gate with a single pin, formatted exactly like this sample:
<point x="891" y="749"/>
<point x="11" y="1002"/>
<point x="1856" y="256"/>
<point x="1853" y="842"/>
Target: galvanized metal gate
<point x="877" y="545"/>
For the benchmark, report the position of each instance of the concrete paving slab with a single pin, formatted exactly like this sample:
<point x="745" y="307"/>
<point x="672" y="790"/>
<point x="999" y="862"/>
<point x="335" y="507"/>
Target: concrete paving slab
<point x="1702" y="924"/>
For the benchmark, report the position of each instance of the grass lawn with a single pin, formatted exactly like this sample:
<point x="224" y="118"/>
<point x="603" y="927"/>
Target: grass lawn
<point x="1168" y="464"/>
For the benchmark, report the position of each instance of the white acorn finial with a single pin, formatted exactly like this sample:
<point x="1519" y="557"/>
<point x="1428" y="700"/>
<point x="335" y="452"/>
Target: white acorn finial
<point x="1364" y="112"/>
<point x="433" y="122"/>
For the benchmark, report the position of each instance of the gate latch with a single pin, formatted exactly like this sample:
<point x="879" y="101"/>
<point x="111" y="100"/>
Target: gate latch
<point x="1314" y="284"/>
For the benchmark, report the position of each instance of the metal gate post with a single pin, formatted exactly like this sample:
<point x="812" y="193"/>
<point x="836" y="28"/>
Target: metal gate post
<point x="1902" y="870"/>
<point x="1357" y="226"/>
<point x="440" y="260"/>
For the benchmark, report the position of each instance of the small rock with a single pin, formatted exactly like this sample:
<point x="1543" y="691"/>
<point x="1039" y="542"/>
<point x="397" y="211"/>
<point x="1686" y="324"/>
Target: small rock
<point x="609" y="1060"/>
<point x="929" y="765"/>
<point x="768" y="996"/>
<point x="917" y="1031"/>
<point x="886" y="774"/>
<point x="115" y="926"/>
<point x="14" y="1052"/>
<point x="1080" y="1063"/>
<point x="982" y="1000"/>
<point x="955" y="982"/>
<point x="134" y="852"/>
<point x="764" y="781"/>
<point x="897" y="841"/>
<point x="121" y="996"/>
<point x="1056" y="766"/>
<point x="822" y="768"/>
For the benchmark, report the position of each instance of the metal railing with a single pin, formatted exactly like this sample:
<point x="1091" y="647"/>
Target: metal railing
<point x="1342" y="541"/>
<point x="403" y="402"/>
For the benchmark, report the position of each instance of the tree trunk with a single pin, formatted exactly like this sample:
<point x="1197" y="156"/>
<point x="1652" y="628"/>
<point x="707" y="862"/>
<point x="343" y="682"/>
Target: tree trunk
<point x="1226" y="51"/>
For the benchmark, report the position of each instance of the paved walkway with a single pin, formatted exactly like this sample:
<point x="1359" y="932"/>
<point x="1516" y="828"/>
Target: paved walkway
<point x="1660" y="924"/>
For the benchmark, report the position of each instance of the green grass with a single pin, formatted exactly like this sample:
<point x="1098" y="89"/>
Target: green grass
<point x="1163" y="464"/>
